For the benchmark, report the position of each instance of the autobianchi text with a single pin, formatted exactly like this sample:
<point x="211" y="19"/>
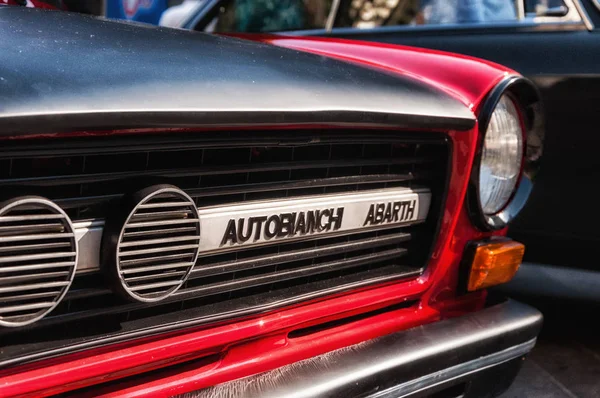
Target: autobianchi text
<point x="283" y="225"/>
<point x="286" y="225"/>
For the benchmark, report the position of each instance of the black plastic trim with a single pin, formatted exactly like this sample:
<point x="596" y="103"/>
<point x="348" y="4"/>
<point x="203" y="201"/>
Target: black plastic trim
<point x="168" y="140"/>
<point x="528" y="102"/>
<point x="212" y="170"/>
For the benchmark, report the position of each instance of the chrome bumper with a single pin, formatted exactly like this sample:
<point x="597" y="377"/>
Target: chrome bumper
<point x="401" y="364"/>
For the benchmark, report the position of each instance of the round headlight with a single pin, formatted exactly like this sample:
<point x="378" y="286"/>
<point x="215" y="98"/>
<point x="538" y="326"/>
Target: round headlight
<point x="501" y="157"/>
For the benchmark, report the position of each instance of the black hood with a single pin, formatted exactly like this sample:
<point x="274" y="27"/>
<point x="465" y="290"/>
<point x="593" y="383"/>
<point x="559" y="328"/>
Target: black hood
<point x="63" y="72"/>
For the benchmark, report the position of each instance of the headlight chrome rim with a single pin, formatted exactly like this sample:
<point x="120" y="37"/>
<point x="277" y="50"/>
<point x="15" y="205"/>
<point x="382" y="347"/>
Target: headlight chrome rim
<point x="493" y="201"/>
<point x="525" y="96"/>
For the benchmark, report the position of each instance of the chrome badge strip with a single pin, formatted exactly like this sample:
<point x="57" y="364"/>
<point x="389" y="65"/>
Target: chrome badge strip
<point x="227" y="228"/>
<point x="270" y="222"/>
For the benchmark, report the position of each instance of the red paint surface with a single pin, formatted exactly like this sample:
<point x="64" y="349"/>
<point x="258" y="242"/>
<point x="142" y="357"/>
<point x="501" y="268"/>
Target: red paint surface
<point x="261" y="343"/>
<point x="466" y="78"/>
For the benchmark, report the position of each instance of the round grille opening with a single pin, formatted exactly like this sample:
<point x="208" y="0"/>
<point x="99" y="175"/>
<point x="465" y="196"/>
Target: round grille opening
<point x="38" y="258"/>
<point x="158" y="244"/>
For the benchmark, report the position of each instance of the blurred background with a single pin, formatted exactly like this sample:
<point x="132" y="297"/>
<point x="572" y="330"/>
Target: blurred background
<point x="285" y="15"/>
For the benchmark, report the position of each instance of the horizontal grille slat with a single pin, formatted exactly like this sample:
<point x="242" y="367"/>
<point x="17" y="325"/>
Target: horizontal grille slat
<point x="158" y="215"/>
<point x="215" y="170"/>
<point x="24" y="229"/>
<point x="32" y="287"/>
<point x="84" y="293"/>
<point x="302" y="272"/>
<point x="154" y="285"/>
<point x="25" y="307"/>
<point x="167" y="143"/>
<point x="281" y="258"/>
<point x="156" y="250"/>
<point x="304" y="184"/>
<point x="162" y="223"/>
<point x="160" y="205"/>
<point x="30" y="217"/>
<point x="162" y="231"/>
<point x="19" y="238"/>
<point x="150" y="260"/>
<point x="31" y="257"/>
<point x="129" y="271"/>
<point x="157" y="277"/>
<point x="26" y="297"/>
<point x="87" y="178"/>
<point x="39" y="246"/>
<point x="8" y="280"/>
<point x="265" y="187"/>
<point x="158" y="241"/>
<point x="36" y="267"/>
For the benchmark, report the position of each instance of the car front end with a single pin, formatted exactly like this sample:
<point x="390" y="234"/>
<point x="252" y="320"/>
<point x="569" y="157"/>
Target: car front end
<point x="258" y="216"/>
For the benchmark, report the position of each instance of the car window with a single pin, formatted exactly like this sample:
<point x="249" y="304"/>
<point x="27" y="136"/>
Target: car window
<point x="367" y="14"/>
<point x="288" y="15"/>
<point x="271" y="15"/>
<point x="545" y="7"/>
<point x="373" y="13"/>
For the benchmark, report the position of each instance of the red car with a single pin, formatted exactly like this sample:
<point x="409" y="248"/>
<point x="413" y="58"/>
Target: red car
<point x="256" y="216"/>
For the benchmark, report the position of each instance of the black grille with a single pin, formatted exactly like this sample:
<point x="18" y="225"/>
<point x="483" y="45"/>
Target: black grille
<point x="86" y="176"/>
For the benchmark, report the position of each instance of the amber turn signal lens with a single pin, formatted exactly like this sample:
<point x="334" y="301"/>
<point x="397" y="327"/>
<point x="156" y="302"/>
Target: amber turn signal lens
<point x="495" y="263"/>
